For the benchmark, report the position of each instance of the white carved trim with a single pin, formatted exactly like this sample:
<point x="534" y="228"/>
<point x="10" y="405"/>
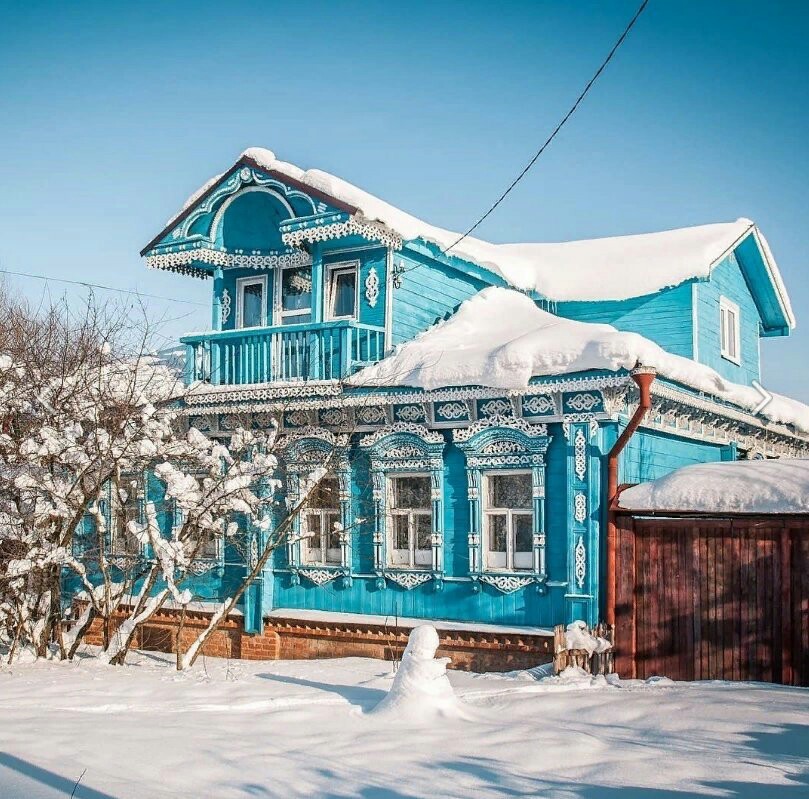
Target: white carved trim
<point x="409" y="580"/>
<point x="357" y="225"/>
<point x="428" y="436"/>
<point x="580" y="562"/>
<point x="507" y="583"/>
<point x="580" y="454"/>
<point x="175" y="261"/>
<point x="462" y="435"/>
<point x="372" y="287"/>
<point x="580" y="507"/>
<point x="225" y="306"/>
<point x="319" y="576"/>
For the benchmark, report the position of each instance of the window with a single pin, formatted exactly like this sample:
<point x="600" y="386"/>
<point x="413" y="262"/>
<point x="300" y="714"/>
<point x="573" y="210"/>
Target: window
<point x="342" y="291"/>
<point x="320" y="524"/>
<point x="729" y="330"/>
<point x="296" y="295"/>
<point x="411" y="521"/>
<point x="210" y="547"/>
<point x="125" y="509"/>
<point x="508" y="520"/>
<point x="251" y="302"/>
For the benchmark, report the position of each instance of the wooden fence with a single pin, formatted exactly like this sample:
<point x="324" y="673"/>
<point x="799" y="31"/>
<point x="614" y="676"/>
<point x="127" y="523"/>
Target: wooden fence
<point x="702" y="598"/>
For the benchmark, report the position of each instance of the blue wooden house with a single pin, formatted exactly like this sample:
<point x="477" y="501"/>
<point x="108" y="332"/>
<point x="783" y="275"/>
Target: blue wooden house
<point x="469" y="391"/>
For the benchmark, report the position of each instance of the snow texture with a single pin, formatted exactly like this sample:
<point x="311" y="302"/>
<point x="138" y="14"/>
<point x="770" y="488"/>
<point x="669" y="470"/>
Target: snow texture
<point x="421" y="687"/>
<point x="613" y="268"/>
<point x="758" y="486"/>
<point x="578" y="636"/>
<point x="500" y="338"/>
<point x="239" y="729"/>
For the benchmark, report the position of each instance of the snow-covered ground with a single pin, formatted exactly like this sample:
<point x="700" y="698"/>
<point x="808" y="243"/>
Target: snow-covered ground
<point x="303" y="728"/>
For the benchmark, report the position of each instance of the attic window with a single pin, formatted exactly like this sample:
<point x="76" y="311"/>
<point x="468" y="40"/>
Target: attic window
<point x="729" y="330"/>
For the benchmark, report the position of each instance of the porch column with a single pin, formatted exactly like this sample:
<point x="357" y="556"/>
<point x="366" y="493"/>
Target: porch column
<point x="216" y="308"/>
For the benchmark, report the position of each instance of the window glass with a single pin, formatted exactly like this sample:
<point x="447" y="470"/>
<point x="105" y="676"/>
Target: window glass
<point x="411" y="492"/>
<point x="731" y="333"/>
<point x="325" y="494"/>
<point x="343" y="292"/>
<point x="510" y="491"/>
<point x="333" y="536"/>
<point x="126" y="510"/>
<point x="252" y="304"/>
<point x="424" y="529"/>
<point x="401" y="532"/>
<point x="296" y="294"/>
<point x="523" y="532"/>
<point x="498" y="532"/>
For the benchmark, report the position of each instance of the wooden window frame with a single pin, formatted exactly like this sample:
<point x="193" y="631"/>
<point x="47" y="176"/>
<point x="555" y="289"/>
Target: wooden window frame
<point x="241" y="284"/>
<point x="727" y="307"/>
<point x="510" y="514"/>
<point x="411" y="514"/>
<point x="282" y="314"/>
<point x="332" y="270"/>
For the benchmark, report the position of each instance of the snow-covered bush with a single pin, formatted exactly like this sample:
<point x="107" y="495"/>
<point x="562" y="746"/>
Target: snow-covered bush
<point x="104" y="491"/>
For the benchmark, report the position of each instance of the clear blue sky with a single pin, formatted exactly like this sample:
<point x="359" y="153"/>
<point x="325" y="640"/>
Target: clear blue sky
<point x="112" y="113"/>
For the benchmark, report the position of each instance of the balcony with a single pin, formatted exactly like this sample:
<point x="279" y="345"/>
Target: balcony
<point x="320" y="351"/>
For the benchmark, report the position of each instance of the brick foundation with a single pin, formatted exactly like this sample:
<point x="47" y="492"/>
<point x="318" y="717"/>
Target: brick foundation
<point x="296" y="639"/>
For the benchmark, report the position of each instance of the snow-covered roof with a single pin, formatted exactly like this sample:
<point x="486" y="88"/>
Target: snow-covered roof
<point x="761" y="486"/>
<point x="500" y="338"/>
<point x="614" y="268"/>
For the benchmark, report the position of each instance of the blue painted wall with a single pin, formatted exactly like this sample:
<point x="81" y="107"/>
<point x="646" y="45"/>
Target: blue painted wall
<point x="651" y="454"/>
<point x="427" y="293"/>
<point x="665" y="317"/>
<point x="456" y="600"/>
<point x="727" y="280"/>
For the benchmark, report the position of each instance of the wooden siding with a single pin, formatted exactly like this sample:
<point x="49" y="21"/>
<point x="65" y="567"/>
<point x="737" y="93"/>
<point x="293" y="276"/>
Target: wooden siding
<point x="713" y="598"/>
<point x="665" y="317"/>
<point x="456" y="600"/>
<point x="651" y="454"/>
<point x="727" y="280"/>
<point x="427" y="294"/>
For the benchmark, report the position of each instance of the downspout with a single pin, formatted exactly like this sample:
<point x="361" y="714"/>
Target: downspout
<point x="644" y="377"/>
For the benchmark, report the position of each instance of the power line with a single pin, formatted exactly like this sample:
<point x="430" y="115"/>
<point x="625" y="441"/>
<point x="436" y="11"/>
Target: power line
<point x="99" y="286"/>
<point x="556" y="130"/>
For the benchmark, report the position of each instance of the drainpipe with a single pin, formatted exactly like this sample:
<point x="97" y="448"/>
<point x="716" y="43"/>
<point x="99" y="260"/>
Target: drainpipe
<point x="644" y="377"/>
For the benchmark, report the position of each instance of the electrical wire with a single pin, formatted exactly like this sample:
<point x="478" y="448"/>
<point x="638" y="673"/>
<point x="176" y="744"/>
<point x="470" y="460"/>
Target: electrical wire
<point x="85" y="284"/>
<point x="556" y="130"/>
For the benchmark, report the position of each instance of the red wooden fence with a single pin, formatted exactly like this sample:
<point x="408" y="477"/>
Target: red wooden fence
<point x="703" y="598"/>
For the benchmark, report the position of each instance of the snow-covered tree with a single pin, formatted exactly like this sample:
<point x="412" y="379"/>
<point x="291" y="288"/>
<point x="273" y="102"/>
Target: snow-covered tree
<point x="88" y="421"/>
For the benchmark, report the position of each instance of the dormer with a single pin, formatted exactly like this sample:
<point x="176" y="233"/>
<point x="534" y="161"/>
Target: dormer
<point x="299" y="277"/>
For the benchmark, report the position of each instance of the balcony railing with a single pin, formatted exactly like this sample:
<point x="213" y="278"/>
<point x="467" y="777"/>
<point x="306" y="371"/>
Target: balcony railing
<point x="324" y="351"/>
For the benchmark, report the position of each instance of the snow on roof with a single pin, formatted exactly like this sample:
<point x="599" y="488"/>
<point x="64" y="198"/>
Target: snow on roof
<point x="763" y="486"/>
<point x="501" y="339"/>
<point x="613" y="268"/>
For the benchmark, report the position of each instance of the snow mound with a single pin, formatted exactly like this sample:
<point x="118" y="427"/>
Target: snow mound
<point x="578" y="636"/>
<point x="500" y="338"/>
<point x="612" y="268"/>
<point x="421" y="687"/>
<point x="765" y="486"/>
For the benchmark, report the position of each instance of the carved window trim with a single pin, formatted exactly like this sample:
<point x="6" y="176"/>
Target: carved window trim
<point x="499" y="446"/>
<point x="403" y="449"/>
<point x="303" y="452"/>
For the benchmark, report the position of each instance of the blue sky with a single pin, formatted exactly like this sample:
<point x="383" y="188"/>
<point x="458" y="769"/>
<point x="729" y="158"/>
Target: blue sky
<point x="112" y="113"/>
